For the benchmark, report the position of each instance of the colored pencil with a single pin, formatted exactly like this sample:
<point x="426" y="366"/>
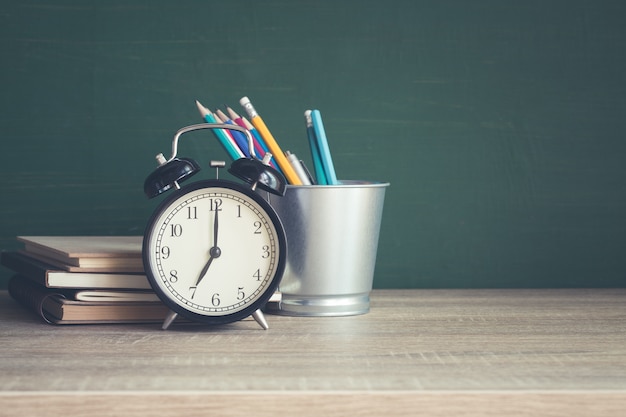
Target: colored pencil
<point x="226" y="141"/>
<point x="318" y="167"/>
<point x="271" y="143"/>
<point x="322" y="142"/>
<point x="255" y="134"/>
<point x="258" y="146"/>
<point x="240" y="139"/>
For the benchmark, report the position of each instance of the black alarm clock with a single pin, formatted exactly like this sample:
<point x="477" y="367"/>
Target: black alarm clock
<point x="214" y="250"/>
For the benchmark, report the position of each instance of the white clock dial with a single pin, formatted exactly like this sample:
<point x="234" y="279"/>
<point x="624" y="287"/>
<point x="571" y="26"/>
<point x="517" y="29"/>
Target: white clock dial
<point x="213" y="251"/>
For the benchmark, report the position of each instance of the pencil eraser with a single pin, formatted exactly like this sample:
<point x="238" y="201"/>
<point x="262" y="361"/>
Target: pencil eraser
<point x="248" y="107"/>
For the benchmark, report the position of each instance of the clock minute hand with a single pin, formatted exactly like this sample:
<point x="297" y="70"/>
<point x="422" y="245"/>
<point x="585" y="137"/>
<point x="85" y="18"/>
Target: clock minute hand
<point x="214" y="252"/>
<point x="215" y="225"/>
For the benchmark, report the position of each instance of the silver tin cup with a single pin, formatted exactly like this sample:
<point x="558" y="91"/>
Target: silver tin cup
<point x="332" y="239"/>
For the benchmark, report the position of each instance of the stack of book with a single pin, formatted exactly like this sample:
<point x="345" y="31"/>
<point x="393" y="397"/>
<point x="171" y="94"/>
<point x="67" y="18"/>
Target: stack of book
<point x="83" y="279"/>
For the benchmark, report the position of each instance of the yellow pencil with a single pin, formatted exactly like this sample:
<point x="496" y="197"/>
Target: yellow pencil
<point x="271" y="143"/>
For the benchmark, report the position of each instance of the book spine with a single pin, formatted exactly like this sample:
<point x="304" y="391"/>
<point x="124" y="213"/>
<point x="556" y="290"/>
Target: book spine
<point x="31" y="295"/>
<point x="28" y="268"/>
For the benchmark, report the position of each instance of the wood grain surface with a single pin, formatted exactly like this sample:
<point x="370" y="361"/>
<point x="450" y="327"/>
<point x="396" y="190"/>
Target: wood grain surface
<point x="418" y="352"/>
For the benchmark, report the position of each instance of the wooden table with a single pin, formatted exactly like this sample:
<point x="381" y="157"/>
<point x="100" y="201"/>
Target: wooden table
<point x="418" y="352"/>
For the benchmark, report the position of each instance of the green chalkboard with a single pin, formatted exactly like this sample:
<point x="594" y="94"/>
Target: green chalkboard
<point x="499" y="124"/>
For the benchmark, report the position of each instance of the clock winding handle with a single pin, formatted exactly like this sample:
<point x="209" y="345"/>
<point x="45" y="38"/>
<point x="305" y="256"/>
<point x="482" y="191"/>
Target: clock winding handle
<point x="260" y="318"/>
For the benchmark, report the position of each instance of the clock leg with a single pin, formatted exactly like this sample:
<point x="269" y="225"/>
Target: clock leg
<point x="168" y="320"/>
<point x="260" y="318"/>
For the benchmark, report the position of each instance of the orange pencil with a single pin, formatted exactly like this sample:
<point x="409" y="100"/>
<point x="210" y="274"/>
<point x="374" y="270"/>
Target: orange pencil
<point x="271" y="143"/>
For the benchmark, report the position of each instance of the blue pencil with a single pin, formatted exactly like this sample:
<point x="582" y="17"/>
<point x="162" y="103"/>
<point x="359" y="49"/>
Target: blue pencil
<point x="259" y="146"/>
<point x="318" y="167"/>
<point x="238" y="137"/>
<point x="322" y="142"/>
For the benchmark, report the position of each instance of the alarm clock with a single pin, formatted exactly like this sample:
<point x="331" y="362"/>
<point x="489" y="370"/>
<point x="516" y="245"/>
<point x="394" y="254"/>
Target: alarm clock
<point x="214" y="250"/>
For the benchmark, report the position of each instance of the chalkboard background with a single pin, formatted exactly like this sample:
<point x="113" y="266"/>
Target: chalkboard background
<point x="499" y="124"/>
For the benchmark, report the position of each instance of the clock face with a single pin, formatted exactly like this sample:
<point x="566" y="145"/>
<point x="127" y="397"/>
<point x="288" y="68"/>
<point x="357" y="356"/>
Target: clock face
<point x="214" y="251"/>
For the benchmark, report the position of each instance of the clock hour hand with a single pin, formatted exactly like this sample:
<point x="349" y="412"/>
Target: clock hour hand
<point x="205" y="269"/>
<point x="214" y="252"/>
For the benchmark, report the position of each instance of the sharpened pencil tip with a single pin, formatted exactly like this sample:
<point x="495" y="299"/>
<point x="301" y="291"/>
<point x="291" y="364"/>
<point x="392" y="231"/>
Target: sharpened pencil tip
<point x="203" y="110"/>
